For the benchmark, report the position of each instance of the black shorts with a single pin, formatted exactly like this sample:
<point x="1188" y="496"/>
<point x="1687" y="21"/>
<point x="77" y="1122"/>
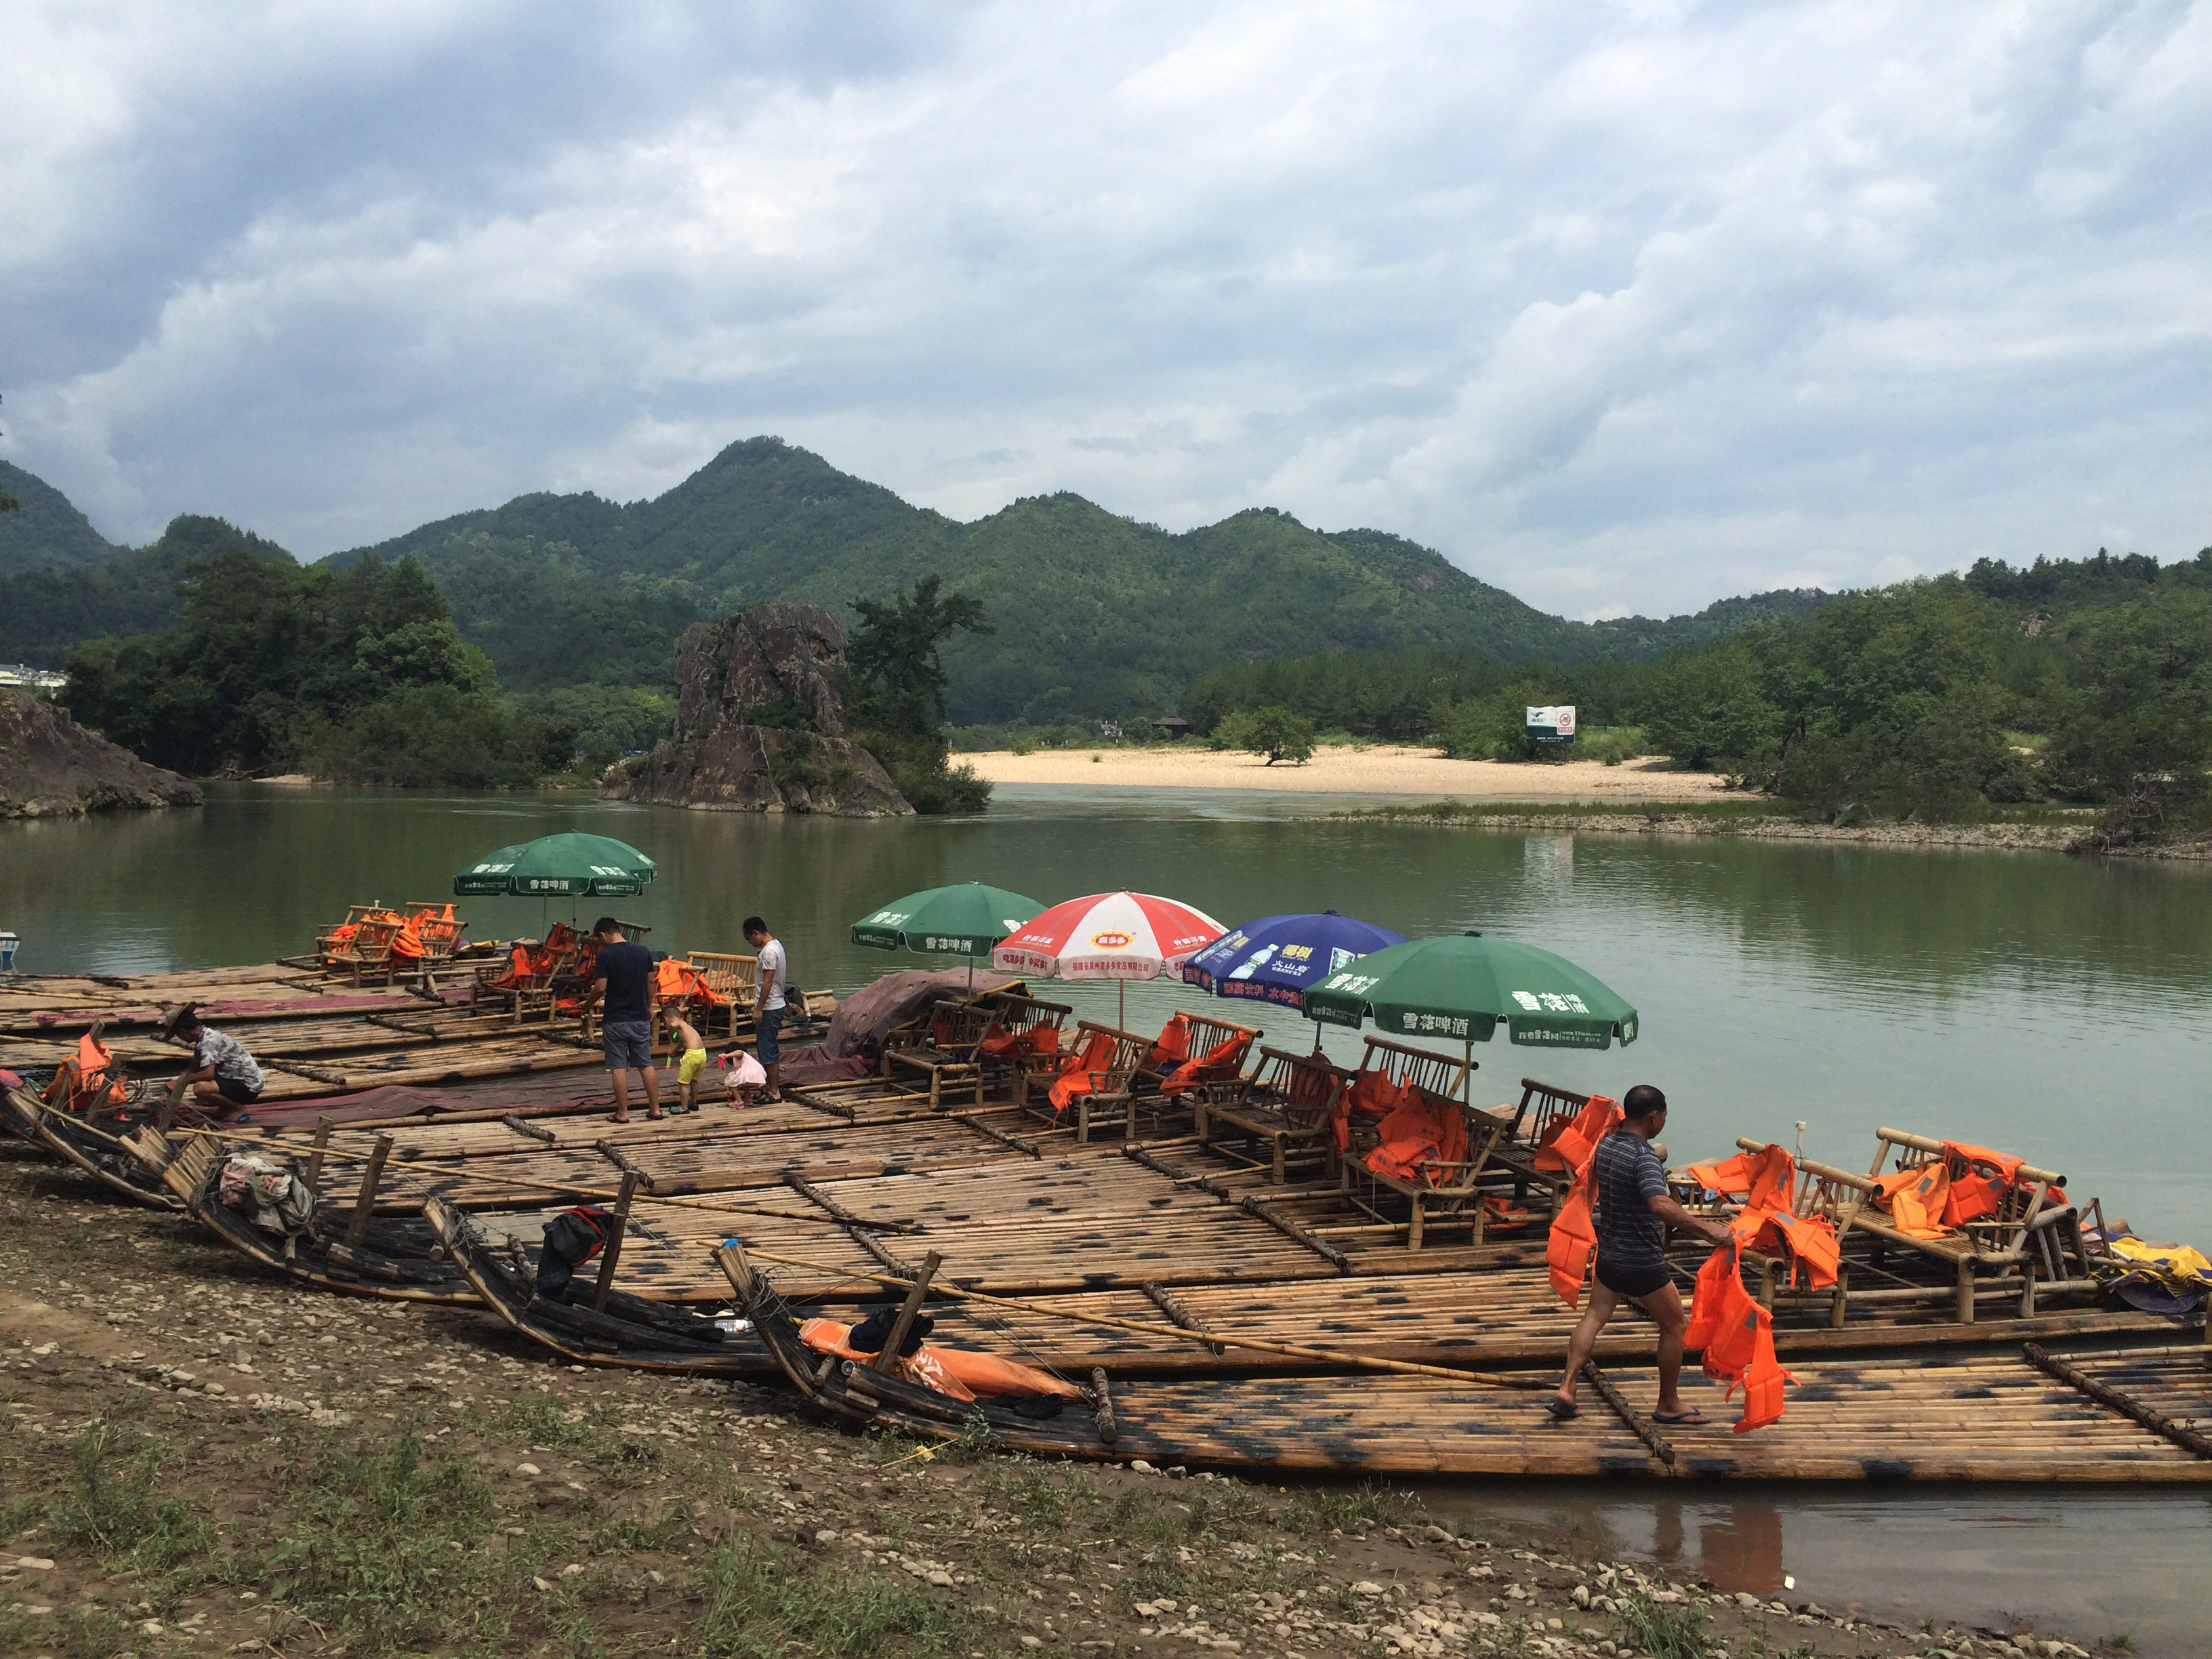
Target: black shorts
<point x="1634" y="1282"/>
<point x="236" y="1092"/>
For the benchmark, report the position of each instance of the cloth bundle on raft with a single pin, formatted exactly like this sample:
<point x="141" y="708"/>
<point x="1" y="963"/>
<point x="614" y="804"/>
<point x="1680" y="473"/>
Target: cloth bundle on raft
<point x="964" y="1373"/>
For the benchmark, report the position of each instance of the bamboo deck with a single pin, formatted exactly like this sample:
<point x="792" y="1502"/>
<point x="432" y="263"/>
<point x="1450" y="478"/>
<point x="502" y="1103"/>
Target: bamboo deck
<point x="1225" y="1320"/>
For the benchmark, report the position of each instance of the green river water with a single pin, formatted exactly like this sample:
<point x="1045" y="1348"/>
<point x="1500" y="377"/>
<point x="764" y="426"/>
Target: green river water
<point x="2054" y="1007"/>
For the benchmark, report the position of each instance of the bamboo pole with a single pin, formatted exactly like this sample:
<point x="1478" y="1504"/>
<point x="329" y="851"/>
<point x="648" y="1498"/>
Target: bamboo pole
<point x="888" y="1357"/>
<point x="611" y="1252"/>
<point x="358" y="1228"/>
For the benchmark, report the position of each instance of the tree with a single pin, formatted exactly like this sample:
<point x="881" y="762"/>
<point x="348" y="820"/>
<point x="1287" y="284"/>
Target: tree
<point x="1273" y="732"/>
<point x="897" y="682"/>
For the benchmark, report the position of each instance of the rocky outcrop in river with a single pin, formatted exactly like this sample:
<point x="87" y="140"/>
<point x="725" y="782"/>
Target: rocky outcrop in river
<point x="759" y="726"/>
<point x="51" y="767"/>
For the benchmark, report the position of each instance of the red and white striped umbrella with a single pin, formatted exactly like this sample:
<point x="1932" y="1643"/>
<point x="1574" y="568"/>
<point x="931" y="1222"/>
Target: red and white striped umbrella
<point x="1108" y="936"/>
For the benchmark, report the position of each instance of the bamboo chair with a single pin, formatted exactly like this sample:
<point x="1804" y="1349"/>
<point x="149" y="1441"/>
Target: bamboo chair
<point x="1545" y="1109"/>
<point x="944" y="1048"/>
<point x="735" y="977"/>
<point x="534" y="992"/>
<point x="327" y="939"/>
<point x="369" y="952"/>
<point x="1206" y="1034"/>
<point x="1457" y="1192"/>
<point x="1818" y="1190"/>
<point x="1018" y="1016"/>
<point x="2028" y="1235"/>
<point x="1122" y="1067"/>
<point x="1285" y="1103"/>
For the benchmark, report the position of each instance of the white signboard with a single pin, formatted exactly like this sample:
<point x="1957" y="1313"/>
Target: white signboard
<point x="1555" y="723"/>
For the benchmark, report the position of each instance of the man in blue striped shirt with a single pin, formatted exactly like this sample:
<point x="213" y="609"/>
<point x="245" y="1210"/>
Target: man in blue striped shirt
<point x="1633" y="1212"/>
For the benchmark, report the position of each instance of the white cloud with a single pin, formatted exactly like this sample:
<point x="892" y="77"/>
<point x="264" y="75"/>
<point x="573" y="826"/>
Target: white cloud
<point x="1622" y="306"/>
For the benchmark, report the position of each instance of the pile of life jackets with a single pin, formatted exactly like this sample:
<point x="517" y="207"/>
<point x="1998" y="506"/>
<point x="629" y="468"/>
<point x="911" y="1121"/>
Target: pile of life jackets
<point x="1040" y="1041"/>
<point x="1762" y="1182"/>
<point x="423" y="929"/>
<point x="1422" y="1139"/>
<point x="1373" y="1095"/>
<point x="1572" y="1148"/>
<point x="964" y="1374"/>
<point x="679" y="982"/>
<point x="87" y="1085"/>
<point x="1963" y="1183"/>
<point x="1170" y="1055"/>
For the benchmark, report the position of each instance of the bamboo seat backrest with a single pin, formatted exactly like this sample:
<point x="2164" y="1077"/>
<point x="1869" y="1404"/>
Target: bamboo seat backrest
<point x="1820" y="1189"/>
<point x="1129" y="1049"/>
<point x="736" y="977"/>
<point x="1020" y="1014"/>
<point x="1299" y="1088"/>
<point x="327" y="937"/>
<point x="954" y="1028"/>
<point x="1441" y="1077"/>
<point x="1545" y="1109"/>
<point x="2002" y="1234"/>
<point x="1206" y="1034"/>
<point x="372" y="944"/>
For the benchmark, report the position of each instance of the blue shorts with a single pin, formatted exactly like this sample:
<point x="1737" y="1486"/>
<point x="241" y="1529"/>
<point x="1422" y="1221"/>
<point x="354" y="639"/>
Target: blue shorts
<point x="766" y="1050"/>
<point x="629" y="1044"/>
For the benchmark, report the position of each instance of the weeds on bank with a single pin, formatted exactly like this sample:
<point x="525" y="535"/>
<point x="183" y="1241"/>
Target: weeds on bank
<point x="113" y="1508"/>
<point x="1372" y="1503"/>
<point x="542" y="1420"/>
<point x="1665" y="1632"/>
<point x="763" y="1599"/>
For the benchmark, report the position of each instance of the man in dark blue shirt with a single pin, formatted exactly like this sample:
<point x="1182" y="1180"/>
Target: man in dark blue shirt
<point x="628" y="992"/>
<point x="1633" y="1212"/>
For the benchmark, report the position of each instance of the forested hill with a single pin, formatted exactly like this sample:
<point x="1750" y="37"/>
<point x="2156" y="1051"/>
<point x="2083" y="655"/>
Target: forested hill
<point x="49" y="531"/>
<point x="43" y="612"/>
<point x="1095" y="614"/>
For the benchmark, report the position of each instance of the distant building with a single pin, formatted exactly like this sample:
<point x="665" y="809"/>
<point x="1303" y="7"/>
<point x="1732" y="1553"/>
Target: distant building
<point x="36" y="679"/>
<point x="1172" y="726"/>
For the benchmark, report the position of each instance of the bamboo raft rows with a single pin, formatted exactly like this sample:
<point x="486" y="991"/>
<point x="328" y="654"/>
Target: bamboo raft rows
<point x="1220" y="1319"/>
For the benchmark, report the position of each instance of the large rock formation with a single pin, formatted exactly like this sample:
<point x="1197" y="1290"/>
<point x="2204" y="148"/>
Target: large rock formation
<point x="51" y="767"/>
<point x="759" y="724"/>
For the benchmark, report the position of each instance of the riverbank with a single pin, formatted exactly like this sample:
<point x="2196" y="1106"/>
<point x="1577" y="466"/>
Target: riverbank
<point x="1352" y="770"/>
<point x="197" y="1459"/>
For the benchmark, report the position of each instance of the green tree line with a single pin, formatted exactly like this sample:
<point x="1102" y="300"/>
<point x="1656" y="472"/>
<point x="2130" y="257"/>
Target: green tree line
<point x="2080" y="681"/>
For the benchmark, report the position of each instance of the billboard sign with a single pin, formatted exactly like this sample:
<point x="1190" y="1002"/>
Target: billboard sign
<point x="1554" y="723"/>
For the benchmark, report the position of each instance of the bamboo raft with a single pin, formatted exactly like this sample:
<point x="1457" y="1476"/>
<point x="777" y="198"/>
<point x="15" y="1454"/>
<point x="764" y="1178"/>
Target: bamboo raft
<point x="1219" y="1309"/>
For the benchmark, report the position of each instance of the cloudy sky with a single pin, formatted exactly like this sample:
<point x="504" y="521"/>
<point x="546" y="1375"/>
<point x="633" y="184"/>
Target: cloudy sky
<point x="1625" y="306"/>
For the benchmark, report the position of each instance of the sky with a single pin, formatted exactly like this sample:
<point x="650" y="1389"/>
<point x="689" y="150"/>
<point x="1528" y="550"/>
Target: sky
<point x="1625" y="306"/>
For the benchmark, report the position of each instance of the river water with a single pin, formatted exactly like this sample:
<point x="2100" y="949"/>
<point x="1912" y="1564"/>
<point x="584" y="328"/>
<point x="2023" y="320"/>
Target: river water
<point x="2054" y="1007"/>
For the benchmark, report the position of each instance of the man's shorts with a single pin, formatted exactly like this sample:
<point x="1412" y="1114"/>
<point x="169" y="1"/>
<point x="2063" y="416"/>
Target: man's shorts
<point x="236" y="1092"/>
<point x="1635" y="1283"/>
<point x="629" y="1044"/>
<point x="765" y="1046"/>
<point x="693" y="1063"/>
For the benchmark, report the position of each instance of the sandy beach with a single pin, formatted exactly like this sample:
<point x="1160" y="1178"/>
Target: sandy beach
<point x="1377" y="769"/>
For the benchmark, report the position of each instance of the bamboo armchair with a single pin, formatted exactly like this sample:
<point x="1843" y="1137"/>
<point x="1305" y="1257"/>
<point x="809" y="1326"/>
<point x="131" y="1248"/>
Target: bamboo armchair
<point x="1286" y="1102"/>
<point x="368" y="953"/>
<point x="736" y="977"/>
<point x="2035" y="1232"/>
<point x="1020" y="1016"/>
<point x="1449" y="1186"/>
<point x="1123" y="1058"/>
<point x="1545" y="1109"/>
<point x="327" y="939"/>
<point x="945" y="1047"/>
<point x="534" y="992"/>
<point x="1206" y="1034"/>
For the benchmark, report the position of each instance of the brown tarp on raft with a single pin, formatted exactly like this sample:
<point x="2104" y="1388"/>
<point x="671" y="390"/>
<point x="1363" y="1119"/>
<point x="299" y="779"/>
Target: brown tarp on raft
<point x="857" y="1029"/>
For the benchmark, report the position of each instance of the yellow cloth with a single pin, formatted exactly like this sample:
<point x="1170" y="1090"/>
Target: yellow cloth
<point x="694" y="1062"/>
<point x="2178" y="1267"/>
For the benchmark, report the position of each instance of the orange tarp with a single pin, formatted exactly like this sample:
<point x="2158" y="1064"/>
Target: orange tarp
<point x="962" y="1373"/>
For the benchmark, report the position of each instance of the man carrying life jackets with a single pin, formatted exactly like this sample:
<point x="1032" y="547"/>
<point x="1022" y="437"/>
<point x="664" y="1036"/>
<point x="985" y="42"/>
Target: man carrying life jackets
<point x="224" y="1079"/>
<point x="1633" y="1213"/>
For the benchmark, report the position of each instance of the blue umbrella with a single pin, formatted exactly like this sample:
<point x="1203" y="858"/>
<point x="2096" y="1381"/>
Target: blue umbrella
<point x="1281" y="958"/>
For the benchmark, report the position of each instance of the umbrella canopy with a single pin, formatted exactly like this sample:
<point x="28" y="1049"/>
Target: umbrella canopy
<point x="553" y="865"/>
<point x="1462" y="985"/>
<point x="1280" y="958"/>
<point x="962" y="920"/>
<point x="1107" y="936"/>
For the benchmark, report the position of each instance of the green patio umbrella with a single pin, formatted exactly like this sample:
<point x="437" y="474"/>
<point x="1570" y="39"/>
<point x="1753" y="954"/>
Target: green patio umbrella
<point x="1462" y="985"/>
<point x="965" y="920"/>
<point x="572" y="863"/>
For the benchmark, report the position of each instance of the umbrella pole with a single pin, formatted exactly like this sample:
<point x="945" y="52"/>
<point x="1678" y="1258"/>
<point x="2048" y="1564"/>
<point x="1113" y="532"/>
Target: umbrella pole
<point x="1121" y="1004"/>
<point x="1466" y="1078"/>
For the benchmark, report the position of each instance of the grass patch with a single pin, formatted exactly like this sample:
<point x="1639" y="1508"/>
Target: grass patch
<point x="763" y="1599"/>
<point x="541" y="1419"/>
<point x="1343" y="1509"/>
<point x="1665" y="1631"/>
<point x="113" y="1507"/>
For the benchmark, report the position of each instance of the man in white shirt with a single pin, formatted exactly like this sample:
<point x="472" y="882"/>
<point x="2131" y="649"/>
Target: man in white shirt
<point x="768" y="1013"/>
<point x="223" y="1079"/>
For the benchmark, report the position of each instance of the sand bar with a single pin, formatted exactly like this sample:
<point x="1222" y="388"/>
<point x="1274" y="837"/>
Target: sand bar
<point x="1376" y="769"/>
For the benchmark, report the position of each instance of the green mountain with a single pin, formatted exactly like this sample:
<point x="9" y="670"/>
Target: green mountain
<point x="44" y="612"/>
<point x="49" y="532"/>
<point x="1095" y="614"/>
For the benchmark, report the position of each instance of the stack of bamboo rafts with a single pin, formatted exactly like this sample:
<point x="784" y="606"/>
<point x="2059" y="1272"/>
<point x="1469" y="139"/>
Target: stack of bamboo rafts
<point x="1215" y="1285"/>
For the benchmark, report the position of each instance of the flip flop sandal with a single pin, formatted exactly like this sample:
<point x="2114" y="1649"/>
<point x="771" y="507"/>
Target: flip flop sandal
<point x="1561" y="1410"/>
<point x="1692" y="1418"/>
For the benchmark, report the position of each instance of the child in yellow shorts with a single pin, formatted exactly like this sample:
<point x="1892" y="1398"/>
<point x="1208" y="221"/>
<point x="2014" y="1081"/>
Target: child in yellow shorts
<point x="692" y="1067"/>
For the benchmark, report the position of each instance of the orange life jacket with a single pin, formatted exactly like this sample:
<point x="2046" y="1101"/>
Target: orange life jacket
<point x="1085" y="1073"/>
<point x="1421" y="1140"/>
<point x="1372" y="1094"/>
<point x="1570" y="1146"/>
<point x="408" y="941"/>
<point x="1734" y="1335"/>
<point x="1813" y="1246"/>
<point x="1980" y="1180"/>
<point x="1225" y="1060"/>
<point x="962" y="1373"/>
<point x="1041" y="1040"/>
<point x="1916" y="1198"/>
<point x="86" y="1083"/>
<point x="1171" y="1047"/>
<point x="1573" y="1239"/>
<point x="1754" y="1178"/>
